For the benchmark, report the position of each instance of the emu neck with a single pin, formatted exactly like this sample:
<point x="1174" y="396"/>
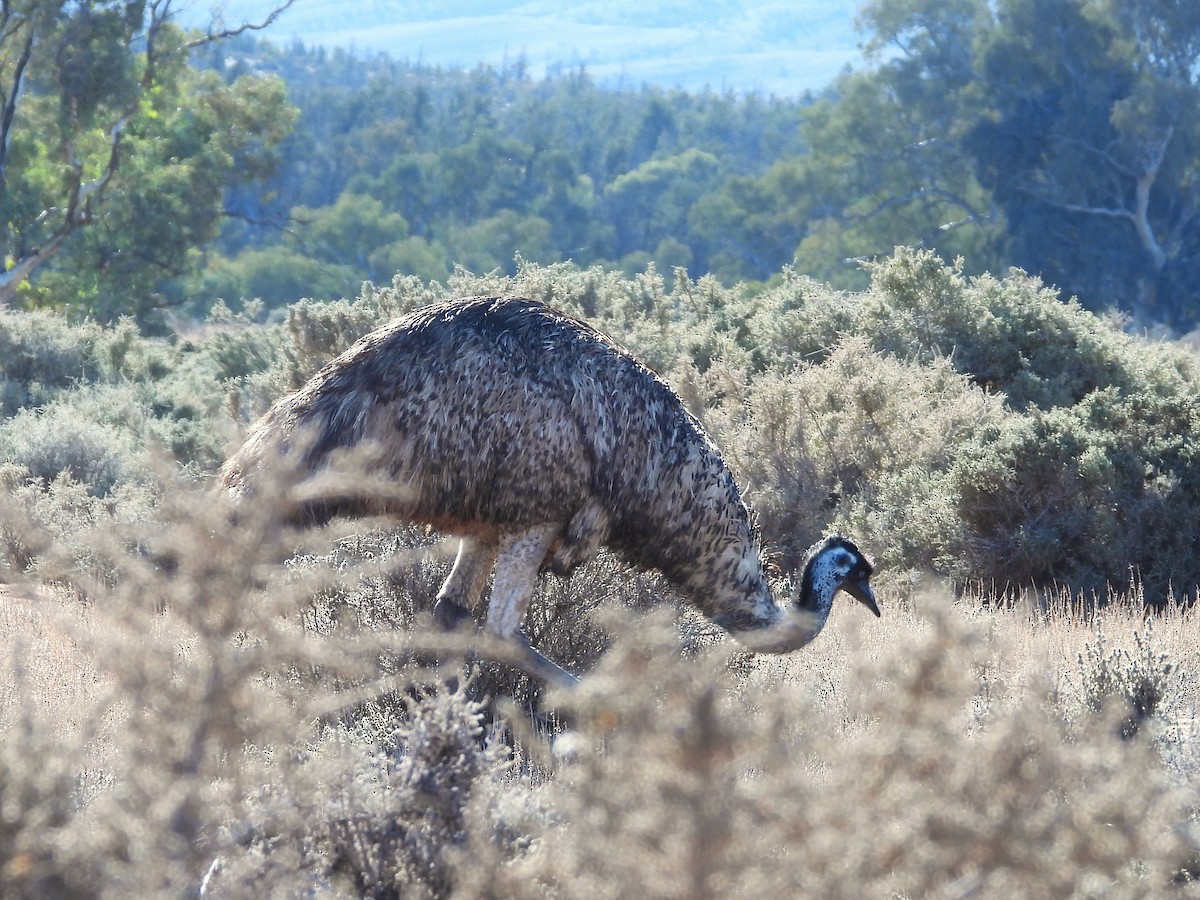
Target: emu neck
<point x="792" y="627"/>
<point x="767" y="626"/>
<point x="700" y="536"/>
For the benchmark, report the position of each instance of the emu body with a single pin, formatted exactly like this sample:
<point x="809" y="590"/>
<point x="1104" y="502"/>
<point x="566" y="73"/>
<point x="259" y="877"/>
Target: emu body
<point x="537" y="440"/>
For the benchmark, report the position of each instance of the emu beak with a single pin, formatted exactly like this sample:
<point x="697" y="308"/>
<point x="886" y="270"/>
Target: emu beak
<point x="858" y="588"/>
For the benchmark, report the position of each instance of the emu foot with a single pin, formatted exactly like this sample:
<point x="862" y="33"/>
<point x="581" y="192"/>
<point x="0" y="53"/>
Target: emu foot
<point x="448" y="615"/>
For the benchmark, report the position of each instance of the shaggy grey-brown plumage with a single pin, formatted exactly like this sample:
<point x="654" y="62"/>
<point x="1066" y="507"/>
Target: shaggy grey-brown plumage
<point x="538" y="440"/>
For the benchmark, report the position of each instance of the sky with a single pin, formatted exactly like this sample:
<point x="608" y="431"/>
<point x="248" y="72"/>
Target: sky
<point x="772" y="46"/>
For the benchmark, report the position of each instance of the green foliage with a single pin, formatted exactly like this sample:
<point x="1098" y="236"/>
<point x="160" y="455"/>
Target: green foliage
<point x="117" y="154"/>
<point x="275" y="275"/>
<point x="967" y="132"/>
<point x="1054" y="136"/>
<point x="887" y="165"/>
<point x="473" y="168"/>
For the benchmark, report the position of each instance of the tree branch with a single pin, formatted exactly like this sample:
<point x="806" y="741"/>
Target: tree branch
<point x="10" y="102"/>
<point x="922" y="193"/>
<point x="213" y="36"/>
<point x="1139" y="214"/>
<point x="76" y="215"/>
<point x="13" y="278"/>
<point x="82" y="197"/>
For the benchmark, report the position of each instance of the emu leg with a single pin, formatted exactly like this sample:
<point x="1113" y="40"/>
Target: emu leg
<point x="520" y="557"/>
<point x="462" y="592"/>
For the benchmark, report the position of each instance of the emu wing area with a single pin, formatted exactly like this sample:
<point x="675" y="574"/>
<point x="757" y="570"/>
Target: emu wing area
<point x="484" y="413"/>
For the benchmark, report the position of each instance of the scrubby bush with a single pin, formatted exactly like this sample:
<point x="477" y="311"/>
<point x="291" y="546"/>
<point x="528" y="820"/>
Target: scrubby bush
<point x="863" y="440"/>
<point x="1080" y="464"/>
<point x="1135" y="683"/>
<point x="43" y="355"/>
<point x="1080" y="495"/>
<point x="106" y="436"/>
<point x="59" y="441"/>
<point x="40" y="355"/>
<point x="242" y="751"/>
<point x="84" y="400"/>
<point x="422" y="804"/>
<point x="848" y="778"/>
<point x="1011" y="335"/>
<point x="980" y="428"/>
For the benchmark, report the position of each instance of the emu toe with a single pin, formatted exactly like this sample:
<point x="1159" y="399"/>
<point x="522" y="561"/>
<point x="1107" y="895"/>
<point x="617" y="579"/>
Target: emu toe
<point x="534" y="662"/>
<point x="449" y="616"/>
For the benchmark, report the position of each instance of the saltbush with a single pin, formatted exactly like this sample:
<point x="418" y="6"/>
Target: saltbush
<point x="1081" y="465"/>
<point x="981" y="428"/>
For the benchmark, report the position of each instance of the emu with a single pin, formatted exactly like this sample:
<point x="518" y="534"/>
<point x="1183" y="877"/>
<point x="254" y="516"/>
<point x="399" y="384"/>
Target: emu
<point x="537" y="440"/>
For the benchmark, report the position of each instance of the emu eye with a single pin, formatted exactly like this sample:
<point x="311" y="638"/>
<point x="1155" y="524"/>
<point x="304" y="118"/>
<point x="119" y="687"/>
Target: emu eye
<point x="844" y="561"/>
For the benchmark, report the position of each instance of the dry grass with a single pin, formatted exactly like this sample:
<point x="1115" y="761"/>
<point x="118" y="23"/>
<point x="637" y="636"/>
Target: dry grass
<point x="947" y="750"/>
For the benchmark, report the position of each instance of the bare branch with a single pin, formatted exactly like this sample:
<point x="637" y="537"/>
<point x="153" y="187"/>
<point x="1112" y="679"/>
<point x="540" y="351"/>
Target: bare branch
<point x="97" y="185"/>
<point x="1109" y="212"/>
<point x="213" y="36"/>
<point x="925" y="193"/>
<point x="11" y="279"/>
<point x="1138" y="215"/>
<point x="281" y="221"/>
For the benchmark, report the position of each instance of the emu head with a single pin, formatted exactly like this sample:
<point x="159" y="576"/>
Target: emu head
<point x="834" y="564"/>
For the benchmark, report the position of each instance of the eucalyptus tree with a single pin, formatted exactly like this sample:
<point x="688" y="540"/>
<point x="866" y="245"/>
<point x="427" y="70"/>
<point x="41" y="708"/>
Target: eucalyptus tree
<point x="115" y="154"/>
<point x="1091" y="143"/>
<point x="1060" y="136"/>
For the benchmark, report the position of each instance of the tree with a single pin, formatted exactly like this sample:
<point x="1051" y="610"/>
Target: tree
<point x="652" y="201"/>
<point x="1061" y="136"/>
<point x="114" y="153"/>
<point x="1093" y="147"/>
<point x="887" y="164"/>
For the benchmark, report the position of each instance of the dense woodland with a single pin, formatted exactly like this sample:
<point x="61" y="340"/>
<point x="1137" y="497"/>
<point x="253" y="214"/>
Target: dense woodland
<point x="960" y="134"/>
<point x="1056" y="136"/>
<point x="393" y="168"/>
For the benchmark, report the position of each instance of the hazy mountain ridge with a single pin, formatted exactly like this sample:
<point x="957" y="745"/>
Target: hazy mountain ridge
<point x="775" y="48"/>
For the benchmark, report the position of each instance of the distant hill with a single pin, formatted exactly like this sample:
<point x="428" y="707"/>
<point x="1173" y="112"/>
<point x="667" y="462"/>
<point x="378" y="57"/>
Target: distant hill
<point x="782" y="48"/>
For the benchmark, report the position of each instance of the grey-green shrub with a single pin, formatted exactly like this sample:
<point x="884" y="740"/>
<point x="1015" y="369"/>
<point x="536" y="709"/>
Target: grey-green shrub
<point x="980" y="428"/>
<point x="59" y="441"/>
